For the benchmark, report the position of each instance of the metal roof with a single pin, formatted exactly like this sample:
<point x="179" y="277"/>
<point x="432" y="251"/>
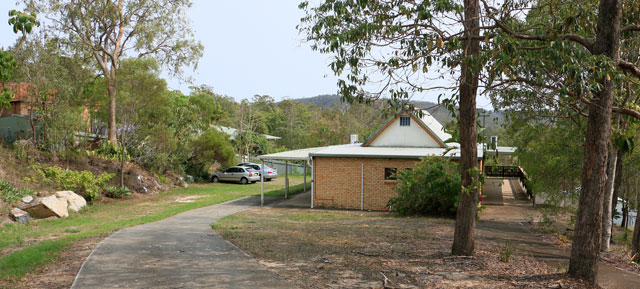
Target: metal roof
<point x="233" y="132"/>
<point x="298" y="155"/>
<point x="503" y="150"/>
<point x="356" y="151"/>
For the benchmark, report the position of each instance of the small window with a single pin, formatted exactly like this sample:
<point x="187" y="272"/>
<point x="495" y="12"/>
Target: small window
<point x="390" y="173"/>
<point x="405" y="121"/>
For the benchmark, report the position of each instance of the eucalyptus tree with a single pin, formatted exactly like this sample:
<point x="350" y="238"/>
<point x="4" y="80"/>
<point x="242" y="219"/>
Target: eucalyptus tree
<point x="400" y="47"/>
<point x="107" y="31"/>
<point x="568" y="53"/>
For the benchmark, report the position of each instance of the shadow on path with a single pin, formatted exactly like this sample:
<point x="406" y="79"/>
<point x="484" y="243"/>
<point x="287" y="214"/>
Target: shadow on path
<point x="182" y="251"/>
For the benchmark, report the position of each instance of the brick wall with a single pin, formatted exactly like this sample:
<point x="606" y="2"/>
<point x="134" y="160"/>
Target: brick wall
<point x="338" y="181"/>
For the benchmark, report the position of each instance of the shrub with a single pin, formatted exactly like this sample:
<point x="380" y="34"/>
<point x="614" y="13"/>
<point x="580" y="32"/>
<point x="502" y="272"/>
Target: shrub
<point x="432" y="188"/>
<point x="9" y="194"/>
<point x="84" y="183"/>
<point x="210" y="147"/>
<point x="117" y="192"/>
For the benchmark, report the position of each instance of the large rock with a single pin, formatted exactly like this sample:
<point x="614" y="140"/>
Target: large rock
<point x="19" y="216"/>
<point x="75" y="202"/>
<point x="48" y="207"/>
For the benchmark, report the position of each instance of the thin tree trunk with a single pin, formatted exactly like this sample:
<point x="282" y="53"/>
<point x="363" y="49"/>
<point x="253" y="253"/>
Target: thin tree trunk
<point x="463" y="238"/>
<point x="608" y="198"/>
<point x="617" y="183"/>
<point x="111" y="89"/>
<point x="625" y="215"/>
<point x="122" y="150"/>
<point x="585" y="251"/>
<point x="635" y="243"/>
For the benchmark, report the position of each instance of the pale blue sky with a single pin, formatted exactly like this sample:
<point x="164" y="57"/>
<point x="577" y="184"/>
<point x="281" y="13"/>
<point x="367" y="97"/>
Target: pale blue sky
<point x="251" y="47"/>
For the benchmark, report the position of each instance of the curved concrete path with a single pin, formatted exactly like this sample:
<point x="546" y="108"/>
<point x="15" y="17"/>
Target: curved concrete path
<point x="178" y="252"/>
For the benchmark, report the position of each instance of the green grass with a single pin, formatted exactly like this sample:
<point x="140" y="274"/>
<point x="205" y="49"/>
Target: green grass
<point x="25" y="247"/>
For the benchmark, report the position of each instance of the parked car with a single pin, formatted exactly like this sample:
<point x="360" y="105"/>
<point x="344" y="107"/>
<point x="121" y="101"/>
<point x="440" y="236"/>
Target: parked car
<point x="241" y="174"/>
<point x="269" y="173"/>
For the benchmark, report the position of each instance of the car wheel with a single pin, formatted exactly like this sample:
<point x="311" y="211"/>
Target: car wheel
<point x="244" y="181"/>
<point x="215" y="179"/>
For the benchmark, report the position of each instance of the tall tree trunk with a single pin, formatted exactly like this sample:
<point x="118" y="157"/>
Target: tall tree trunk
<point x="625" y="213"/>
<point x="617" y="183"/>
<point x="122" y="151"/>
<point x="635" y="243"/>
<point x="608" y="198"/>
<point x="463" y="239"/>
<point x="111" y="89"/>
<point x="585" y="251"/>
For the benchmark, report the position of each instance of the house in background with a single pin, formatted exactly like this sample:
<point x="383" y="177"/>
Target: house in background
<point x="23" y="102"/>
<point x="362" y="176"/>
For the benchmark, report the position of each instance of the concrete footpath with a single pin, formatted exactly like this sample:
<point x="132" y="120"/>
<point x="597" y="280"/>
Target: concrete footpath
<point x="178" y="252"/>
<point x="503" y="221"/>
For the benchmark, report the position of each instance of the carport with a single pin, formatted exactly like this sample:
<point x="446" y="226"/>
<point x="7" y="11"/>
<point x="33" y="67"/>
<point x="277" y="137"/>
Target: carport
<point x="287" y="156"/>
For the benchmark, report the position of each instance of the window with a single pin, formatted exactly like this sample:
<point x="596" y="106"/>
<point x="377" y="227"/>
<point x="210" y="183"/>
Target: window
<point x="390" y="173"/>
<point x="405" y="121"/>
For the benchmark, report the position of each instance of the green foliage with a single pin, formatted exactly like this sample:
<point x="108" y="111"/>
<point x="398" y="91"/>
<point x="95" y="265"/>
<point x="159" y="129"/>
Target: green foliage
<point x="117" y="192"/>
<point x="7" y="67"/>
<point x="356" y="34"/>
<point x="506" y="252"/>
<point x="22" y="21"/>
<point x="84" y="183"/>
<point x="9" y="194"/>
<point x="212" y="148"/>
<point x="546" y="148"/>
<point x="430" y="189"/>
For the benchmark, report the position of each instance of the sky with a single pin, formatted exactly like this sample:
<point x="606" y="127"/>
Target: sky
<point x="251" y="47"/>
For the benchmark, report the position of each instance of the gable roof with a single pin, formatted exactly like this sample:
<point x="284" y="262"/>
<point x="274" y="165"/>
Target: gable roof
<point x="428" y="123"/>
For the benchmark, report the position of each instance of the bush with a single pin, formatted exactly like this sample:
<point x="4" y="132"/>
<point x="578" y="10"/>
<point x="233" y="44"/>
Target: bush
<point x="117" y="192"/>
<point x="9" y="194"/>
<point x="431" y="189"/>
<point x="209" y="148"/>
<point x="84" y="183"/>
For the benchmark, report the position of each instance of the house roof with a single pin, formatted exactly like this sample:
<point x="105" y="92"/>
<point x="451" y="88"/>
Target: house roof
<point x="233" y="132"/>
<point x="431" y="126"/>
<point x="357" y="151"/>
<point x="301" y="154"/>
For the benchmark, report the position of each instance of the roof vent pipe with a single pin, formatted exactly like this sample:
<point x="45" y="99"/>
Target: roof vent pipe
<point x="354" y="139"/>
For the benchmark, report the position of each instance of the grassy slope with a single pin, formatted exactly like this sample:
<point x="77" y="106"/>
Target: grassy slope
<point x="24" y="248"/>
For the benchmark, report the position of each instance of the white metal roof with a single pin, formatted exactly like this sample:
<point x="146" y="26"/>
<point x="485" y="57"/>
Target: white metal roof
<point x="301" y="154"/>
<point x="233" y="132"/>
<point x="435" y="126"/>
<point x="355" y="150"/>
<point x="387" y="152"/>
<point x="503" y="150"/>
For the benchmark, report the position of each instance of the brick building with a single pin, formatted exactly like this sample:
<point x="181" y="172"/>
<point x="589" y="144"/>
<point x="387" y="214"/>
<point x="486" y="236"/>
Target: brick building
<point x="362" y="175"/>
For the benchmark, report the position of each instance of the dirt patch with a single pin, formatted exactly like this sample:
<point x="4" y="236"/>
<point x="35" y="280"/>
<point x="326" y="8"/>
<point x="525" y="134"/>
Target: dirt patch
<point x="59" y="273"/>
<point x="344" y="249"/>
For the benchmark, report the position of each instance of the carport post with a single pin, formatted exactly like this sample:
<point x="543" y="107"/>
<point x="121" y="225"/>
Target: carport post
<point x="312" y="180"/>
<point x="262" y="185"/>
<point x="304" y="190"/>
<point x="286" y="179"/>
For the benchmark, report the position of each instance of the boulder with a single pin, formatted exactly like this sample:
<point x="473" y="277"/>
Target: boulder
<point x="19" y="216"/>
<point x="138" y="179"/>
<point x="27" y="199"/>
<point x="75" y="202"/>
<point x="48" y="207"/>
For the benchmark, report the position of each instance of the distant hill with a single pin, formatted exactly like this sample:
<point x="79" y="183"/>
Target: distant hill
<point x="493" y="118"/>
